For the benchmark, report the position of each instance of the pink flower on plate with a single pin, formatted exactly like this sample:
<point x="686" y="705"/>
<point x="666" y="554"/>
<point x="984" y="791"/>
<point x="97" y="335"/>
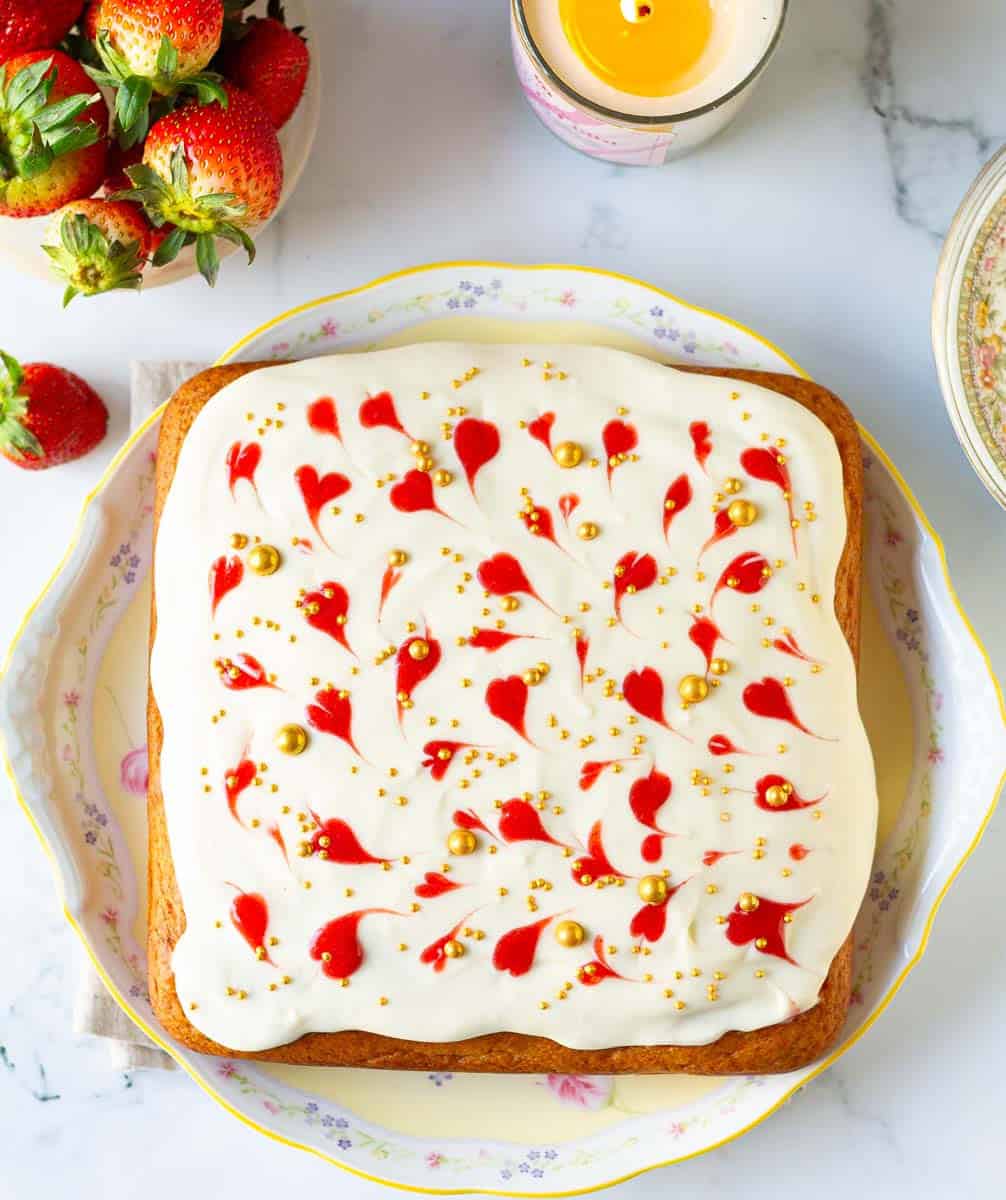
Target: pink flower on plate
<point x="133" y="771"/>
<point x="676" y="1129"/>
<point x="330" y="328"/>
<point x="433" y="1159"/>
<point x="935" y="756"/>
<point x="71" y="698"/>
<point x="592" y="1092"/>
<point x="270" y="1106"/>
<point x="110" y="916"/>
<point x="226" y="1069"/>
<point x="568" y="298"/>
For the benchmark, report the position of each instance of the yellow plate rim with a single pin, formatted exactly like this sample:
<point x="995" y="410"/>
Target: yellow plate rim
<point x="158" y="1039"/>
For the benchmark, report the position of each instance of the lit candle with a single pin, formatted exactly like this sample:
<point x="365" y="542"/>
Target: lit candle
<point x="641" y="80"/>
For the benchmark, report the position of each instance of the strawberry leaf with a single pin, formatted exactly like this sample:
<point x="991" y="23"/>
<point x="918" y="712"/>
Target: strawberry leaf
<point x="16" y="440"/>
<point x="132" y="102"/>
<point x="90" y="262"/>
<point x="167" y="57"/>
<point x="207" y="259"/>
<point x="169" y="249"/>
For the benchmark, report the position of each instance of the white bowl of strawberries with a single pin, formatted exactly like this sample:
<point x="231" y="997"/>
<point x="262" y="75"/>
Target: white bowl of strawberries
<point x="143" y="140"/>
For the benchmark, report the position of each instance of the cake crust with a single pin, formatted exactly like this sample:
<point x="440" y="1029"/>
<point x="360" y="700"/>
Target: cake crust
<point x="783" y="1047"/>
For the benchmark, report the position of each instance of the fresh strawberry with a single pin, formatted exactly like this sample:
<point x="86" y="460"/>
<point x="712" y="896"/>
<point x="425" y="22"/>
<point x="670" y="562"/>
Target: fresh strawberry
<point x="211" y="171"/>
<point x="52" y="134"/>
<point x="98" y="246"/>
<point x="270" y="61"/>
<point x="48" y="415"/>
<point x="35" y="24"/>
<point x="153" y="48"/>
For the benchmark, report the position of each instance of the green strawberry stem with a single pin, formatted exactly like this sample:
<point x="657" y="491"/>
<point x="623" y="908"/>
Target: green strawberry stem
<point x="33" y="132"/>
<point x="198" y="219"/>
<point x="15" y="437"/>
<point x="135" y="93"/>
<point x="90" y="262"/>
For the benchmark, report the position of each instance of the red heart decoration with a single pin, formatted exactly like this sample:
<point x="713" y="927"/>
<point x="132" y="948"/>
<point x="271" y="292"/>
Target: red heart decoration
<point x="242" y="462"/>
<point x="323" y="417"/>
<point x="515" y="950"/>
<point x="476" y="443"/>
<point x="519" y="822"/>
<point x="332" y="603"/>
<point x="332" y="713"/>
<point x="317" y="492"/>
<point x="434" y="884"/>
<point x="414" y="493"/>
<point x="378" y="411"/>
<point x="676" y="499"/>
<point x="644" y="691"/>
<point x="225" y="575"/>
<point x="340" y="844"/>
<point x="250" y="917"/>
<point x="647" y="795"/>
<point x="541" y="429"/>
<point x="769" y="698"/>
<point x="502" y="575"/>
<point x="506" y="699"/>
<point x="701" y="442"/>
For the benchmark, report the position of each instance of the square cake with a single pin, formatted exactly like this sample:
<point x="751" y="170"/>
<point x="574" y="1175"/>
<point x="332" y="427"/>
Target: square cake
<point x="503" y="713"/>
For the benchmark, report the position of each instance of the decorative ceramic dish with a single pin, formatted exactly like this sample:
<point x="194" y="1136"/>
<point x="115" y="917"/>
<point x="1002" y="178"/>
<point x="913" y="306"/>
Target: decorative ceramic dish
<point x="72" y="707"/>
<point x="969" y="325"/>
<point x="21" y="240"/>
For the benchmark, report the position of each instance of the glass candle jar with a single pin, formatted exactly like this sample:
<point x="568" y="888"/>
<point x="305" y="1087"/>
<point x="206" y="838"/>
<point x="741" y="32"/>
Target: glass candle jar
<point x="565" y="78"/>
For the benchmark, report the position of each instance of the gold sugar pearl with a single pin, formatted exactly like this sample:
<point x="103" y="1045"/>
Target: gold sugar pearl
<point x="747" y="902"/>
<point x="532" y="677"/>
<point x="719" y="666"/>
<point x="570" y="933"/>
<point x="742" y="512"/>
<point x="419" y="448"/>
<point x="264" y="560"/>
<point x="568" y="454"/>
<point x="443" y="477"/>
<point x="732" y="486"/>
<point x="397" y="558"/>
<point x="419" y="649"/>
<point x="587" y="531"/>
<point x="652" y="889"/>
<point x="239" y="540"/>
<point x="693" y="689"/>
<point x="462" y="841"/>
<point x="291" y="739"/>
<point x="509" y="603"/>
<point x="454" y="948"/>
<point x="776" y="796"/>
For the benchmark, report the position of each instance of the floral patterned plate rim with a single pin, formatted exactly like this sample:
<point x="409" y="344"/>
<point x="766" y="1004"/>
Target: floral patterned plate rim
<point x="50" y="712"/>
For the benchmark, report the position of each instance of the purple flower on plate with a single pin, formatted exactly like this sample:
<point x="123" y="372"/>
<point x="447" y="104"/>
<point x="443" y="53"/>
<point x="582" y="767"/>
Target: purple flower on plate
<point x="656" y="311"/>
<point x="102" y="819"/>
<point x="912" y="643"/>
<point x="328" y="1121"/>
<point x="550" y="1154"/>
<point x="879" y="877"/>
<point x="465" y="285"/>
<point x="533" y="1155"/>
<point x="130" y="577"/>
<point x="344" y="1143"/>
<point x="506" y="1173"/>
<point x="310" y="1107"/>
<point x="478" y="290"/>
<point x="134" y="771"/>
<point x="496" y="284"/>
<point x="537" y="1173"/>
<point x="874" y="893"/>
<point x="90" y="837"/>
<point x="673" y="334"/>
<point x="689" y="345"/>
<point x="470" y="302"/>
<point x="342" y="1123"/>
<point x="454" y="302"/>
<point x="660" y="332"/>
<point x="115" y="560"/>
<point x="523" y="1168"/>
<point x="912" y="615"/>
<point x="134" y="560"/>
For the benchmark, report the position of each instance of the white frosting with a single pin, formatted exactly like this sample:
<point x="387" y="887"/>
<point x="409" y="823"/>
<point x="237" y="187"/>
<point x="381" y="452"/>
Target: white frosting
<point x="742" y="32"/>
<point x="214" y="853"/>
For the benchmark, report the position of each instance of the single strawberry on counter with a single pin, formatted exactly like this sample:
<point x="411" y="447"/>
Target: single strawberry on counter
<point x="35" y="24"/>
<point x="52" y="134"/>
<point x="211" y="170"/>
<point x="98" y="246"/>
<point x="48" y="415"/>
<point x="153" y="48"/>
<point x="270" y="61"/>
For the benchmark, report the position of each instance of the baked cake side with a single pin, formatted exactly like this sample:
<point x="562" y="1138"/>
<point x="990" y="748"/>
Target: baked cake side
<point x="779" y="1046"/>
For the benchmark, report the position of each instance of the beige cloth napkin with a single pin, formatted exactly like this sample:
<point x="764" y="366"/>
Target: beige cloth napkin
<point x="94" y="1011"/>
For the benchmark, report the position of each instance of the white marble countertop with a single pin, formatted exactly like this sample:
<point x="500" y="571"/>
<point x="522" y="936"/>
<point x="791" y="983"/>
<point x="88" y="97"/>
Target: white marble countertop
<point x="816" y="219"/>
